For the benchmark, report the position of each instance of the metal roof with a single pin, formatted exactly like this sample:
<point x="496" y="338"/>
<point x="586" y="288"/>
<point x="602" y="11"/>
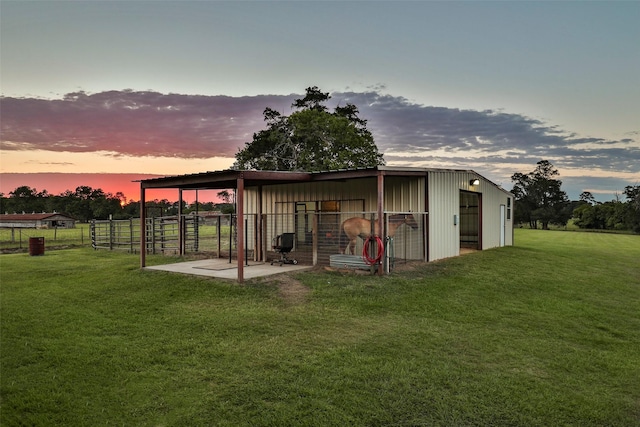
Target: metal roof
<point x="31" y="216"/>
<point x="228" y="178"/>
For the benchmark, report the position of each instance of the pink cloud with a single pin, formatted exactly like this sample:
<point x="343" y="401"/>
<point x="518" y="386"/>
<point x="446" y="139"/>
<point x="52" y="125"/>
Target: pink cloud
<point x="133" y="123"/>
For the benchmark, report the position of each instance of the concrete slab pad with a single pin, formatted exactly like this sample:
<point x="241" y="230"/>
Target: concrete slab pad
<point x="222" y="269"/>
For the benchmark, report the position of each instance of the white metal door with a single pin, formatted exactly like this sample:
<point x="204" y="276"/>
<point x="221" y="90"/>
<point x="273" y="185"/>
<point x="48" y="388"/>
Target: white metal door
<point x="503" y="224"/>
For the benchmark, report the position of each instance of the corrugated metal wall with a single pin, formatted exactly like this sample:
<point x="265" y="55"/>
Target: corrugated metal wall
<point x="404" y="194"/>
<point x="492" y="199"/>
<point x="444" y="212"/>
<point x="401" y="195"/>
<point x="444" y="200"/>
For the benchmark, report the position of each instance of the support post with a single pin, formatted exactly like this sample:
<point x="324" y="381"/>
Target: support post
<point x="314" y="238"/>
<point x="381" y="214"/>
<point x="259" y="254"/>
<point x="180" y="225"/>
<point x="240" y="225"/>
<point x="426" y="220"/>
<point x="219" y="233"/>
<point x="143" y="228"/>
<point x="246" y="241"/>
<point x="263" y="237"/>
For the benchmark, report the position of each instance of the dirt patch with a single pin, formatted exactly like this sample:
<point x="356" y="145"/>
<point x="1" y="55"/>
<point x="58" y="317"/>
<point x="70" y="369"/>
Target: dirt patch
<point x="292" y="291"/>
<point x="464" y="251"/>
<point x="408" y="266"/>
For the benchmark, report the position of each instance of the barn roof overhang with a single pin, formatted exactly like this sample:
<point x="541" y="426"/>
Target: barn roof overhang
<point x="217" y="180"/>
<point x="225" y="179"/>
<point x="228" y="178"/>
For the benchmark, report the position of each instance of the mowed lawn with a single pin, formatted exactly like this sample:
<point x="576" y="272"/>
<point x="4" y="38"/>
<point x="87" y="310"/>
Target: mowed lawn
<point x="544" y="333"/>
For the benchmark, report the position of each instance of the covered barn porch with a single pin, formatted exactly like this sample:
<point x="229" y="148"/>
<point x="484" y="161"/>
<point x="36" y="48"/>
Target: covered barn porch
<point x="259" y="218"/>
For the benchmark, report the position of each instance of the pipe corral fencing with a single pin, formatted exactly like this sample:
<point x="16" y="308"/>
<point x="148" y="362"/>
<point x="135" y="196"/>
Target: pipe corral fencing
<point x="319" y="237"/>
<point x="162" y="234"/>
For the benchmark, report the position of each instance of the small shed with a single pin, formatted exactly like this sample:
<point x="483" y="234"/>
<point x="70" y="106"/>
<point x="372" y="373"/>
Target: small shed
<point x="36" y="220"/>
<point x="445" y="211"/>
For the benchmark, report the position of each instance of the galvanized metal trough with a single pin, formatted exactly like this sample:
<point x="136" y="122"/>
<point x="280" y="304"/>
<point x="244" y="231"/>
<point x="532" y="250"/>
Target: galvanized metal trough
<point x="348" y="261"/>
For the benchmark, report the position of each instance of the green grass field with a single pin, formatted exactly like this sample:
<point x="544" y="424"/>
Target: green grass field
<point x="543" y="333"/>
<point x="17" y="240"/>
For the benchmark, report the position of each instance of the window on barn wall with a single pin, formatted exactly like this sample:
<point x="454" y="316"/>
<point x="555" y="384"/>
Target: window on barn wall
<point x="330" y="206"/>
<point x="508" y="208"/>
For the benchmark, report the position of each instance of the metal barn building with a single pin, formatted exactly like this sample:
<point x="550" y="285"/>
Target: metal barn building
<point x="424" y="214"/>
<point x="37" y="220"/>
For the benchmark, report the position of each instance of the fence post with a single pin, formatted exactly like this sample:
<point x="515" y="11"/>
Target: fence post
<point x="256" y="238"/>
<point x="153" y="236"/>
<point x="110" y="234"/>
<point x="196" y="232"/>
<point x="219" y="233"/>
<point x="230" y="236"/>
<point x="314" y="238"/>
<point x="263" y="238"/>
<point x="246" y="242"/>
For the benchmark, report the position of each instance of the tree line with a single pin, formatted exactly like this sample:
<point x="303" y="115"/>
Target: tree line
<point x="540" y="201"/>
<point x="86" y="203"/>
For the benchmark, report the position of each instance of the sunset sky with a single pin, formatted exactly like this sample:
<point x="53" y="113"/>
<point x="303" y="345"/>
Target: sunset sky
<point x="103" y="93"/>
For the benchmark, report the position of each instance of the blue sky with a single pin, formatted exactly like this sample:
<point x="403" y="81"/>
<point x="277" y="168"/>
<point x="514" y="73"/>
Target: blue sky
<point x="490" y="86"/>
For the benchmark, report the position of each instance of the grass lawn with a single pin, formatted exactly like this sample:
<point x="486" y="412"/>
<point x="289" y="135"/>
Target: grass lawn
<point x="18" y="239"/>
<point x="543" y="333"/>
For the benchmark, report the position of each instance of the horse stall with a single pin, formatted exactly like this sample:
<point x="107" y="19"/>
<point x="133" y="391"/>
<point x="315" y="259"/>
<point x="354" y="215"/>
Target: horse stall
<point x="337" y="223"/>
<point x="370" y="218"/>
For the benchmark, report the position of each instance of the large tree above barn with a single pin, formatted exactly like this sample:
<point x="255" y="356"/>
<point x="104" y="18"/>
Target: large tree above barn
<point x="311" y="139"/>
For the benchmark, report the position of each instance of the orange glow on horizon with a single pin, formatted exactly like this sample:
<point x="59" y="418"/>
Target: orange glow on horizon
<point x="58" y="183"/>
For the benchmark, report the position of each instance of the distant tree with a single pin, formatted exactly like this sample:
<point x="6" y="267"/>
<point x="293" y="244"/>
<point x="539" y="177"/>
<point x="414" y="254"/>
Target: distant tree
<point x="613" y="215"/>
<point x="228" y="205"/>
<point x="311" y="139"/>
<point x="158" y="208"/>
<point x="225" y="196"/>
<point x="632" y="193"/>
<point x="539" y="197"/>
<point x="25" y="199"/>
<point x="131" y="209"/>
<point x="587" y="197"/>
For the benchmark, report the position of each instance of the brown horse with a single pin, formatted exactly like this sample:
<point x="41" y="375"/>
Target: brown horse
<point x="359" y="227"/>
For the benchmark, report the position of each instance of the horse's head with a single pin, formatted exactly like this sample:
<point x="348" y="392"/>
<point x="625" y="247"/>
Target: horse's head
<point x="406" y="219"/>
<point x="410" y="221"/>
